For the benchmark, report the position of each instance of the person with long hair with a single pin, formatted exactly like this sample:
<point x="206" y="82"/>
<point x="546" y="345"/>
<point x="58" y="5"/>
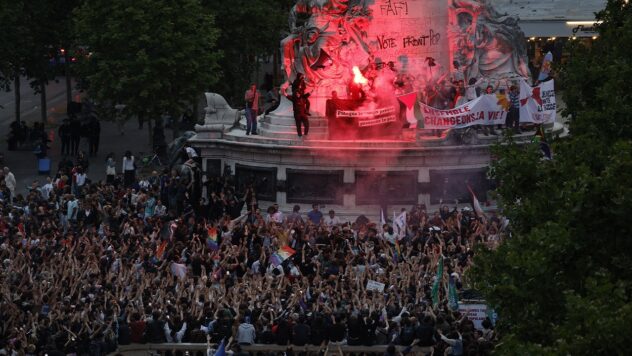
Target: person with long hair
<point x="129" y="169"/>
<point x="110" y="168"/>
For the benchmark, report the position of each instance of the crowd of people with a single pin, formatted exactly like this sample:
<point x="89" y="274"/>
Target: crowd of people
<point x="89" y="265"/>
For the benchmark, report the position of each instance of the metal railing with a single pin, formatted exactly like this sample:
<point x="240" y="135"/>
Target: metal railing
<point x="332" y="348"/>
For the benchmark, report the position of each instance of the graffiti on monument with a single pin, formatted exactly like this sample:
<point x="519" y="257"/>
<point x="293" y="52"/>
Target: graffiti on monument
<point x="394" y="7"/>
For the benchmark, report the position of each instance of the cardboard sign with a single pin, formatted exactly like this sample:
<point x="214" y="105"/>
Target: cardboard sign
<point x="374" y="285"/>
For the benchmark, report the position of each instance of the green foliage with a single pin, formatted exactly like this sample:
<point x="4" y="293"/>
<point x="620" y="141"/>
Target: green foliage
<point x="29" y="38"/>
<point x="249" y="29"/>
<point x="154" y="56"/>
<point x="562" y="283"/>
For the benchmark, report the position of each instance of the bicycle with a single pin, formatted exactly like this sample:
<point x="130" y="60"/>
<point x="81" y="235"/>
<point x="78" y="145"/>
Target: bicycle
<point x="150" y="160"/>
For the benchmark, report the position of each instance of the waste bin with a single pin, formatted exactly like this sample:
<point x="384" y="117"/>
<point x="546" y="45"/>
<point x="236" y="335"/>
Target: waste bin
<point x="43" y="165"/>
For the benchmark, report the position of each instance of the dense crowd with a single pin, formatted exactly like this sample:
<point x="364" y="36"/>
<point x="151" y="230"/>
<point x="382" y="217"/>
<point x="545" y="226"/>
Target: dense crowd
<point x="170" y="258"/>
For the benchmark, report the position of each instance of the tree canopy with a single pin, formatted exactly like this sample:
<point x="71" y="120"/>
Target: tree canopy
<point x="153" y="56"/>
<point x="250" y="29"/>
<point x="563" y="283"/>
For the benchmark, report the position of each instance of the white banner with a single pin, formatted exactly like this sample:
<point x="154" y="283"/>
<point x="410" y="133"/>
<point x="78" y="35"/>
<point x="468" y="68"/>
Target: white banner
<point x="537" y="104"/>
<point x="474" y="312"/>
<point x="484" y="110"/>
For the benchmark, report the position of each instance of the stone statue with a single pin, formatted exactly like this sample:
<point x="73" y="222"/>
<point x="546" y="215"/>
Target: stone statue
<point x="486" y="43"/>
<point x="327" y="38"/>
<point x="219" y="112"/>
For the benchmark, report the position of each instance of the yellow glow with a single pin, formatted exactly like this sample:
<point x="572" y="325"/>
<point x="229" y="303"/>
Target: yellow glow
<point x="590" y="23"/>
<point x="358" y="78"/>
<point x="594" y="37"/>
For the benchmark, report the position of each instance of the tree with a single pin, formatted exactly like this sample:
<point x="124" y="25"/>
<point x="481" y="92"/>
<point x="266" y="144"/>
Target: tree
<point x="15" y="31"/>
<point x="250" y="30"/>
<point x="562" y="284"/>
<point x="153" y="56"/>
<point x="33" y="30"/>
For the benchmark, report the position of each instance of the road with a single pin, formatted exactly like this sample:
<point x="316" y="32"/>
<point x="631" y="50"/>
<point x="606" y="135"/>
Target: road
<point x="24" y="164"/>
<point x="30" y="104"/>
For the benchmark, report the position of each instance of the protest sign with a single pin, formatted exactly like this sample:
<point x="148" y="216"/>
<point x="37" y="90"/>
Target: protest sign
<point x="374" y="285"/>
<point x="477" y="313"/>
<point x="537" y="105"/>
<point x="484" y="110"/>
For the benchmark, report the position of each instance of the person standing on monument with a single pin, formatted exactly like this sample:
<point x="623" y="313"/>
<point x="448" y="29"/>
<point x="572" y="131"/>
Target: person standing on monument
<point x="252" y="108"/>
<point x="300" y="104"/>
<point x="513" y="115"/>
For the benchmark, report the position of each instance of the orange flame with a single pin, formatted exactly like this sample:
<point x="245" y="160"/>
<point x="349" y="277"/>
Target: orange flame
<point x="358" y="78"/>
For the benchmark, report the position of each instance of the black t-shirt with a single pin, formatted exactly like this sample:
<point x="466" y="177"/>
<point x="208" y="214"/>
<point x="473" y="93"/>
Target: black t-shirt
<point x="337" y="332"/>
<point x="425" y="334"/>
<point x="300" y="334"/>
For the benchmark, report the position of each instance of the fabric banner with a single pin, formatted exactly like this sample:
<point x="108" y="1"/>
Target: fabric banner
<point x="369" y="117"/>
<point x="474" y="312"/>
<point x="538" y="104"/>
<point x="484" y="110"/>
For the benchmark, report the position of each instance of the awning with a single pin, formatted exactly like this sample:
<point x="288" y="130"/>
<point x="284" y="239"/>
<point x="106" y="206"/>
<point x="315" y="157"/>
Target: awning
<point x="560" y="28"/>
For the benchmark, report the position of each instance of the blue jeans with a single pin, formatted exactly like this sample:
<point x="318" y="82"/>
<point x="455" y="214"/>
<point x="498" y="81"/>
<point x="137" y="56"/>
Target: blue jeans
<point x="251" y="121"/>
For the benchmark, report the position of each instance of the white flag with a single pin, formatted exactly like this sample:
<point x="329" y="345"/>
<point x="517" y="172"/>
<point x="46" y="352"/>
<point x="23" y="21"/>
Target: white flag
<point x="537" y="104"/>
<point x="399" y="223"/>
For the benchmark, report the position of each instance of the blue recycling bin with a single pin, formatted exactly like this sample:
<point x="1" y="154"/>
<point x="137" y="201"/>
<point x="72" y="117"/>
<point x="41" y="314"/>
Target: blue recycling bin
<point x="43" y="165"/>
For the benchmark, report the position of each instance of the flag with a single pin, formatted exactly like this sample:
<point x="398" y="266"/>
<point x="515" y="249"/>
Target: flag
<point x="22" y="230"/>
<point x="221" y="349"/>
<point x="399" y="223"/>
<point x="453" y="297"/>
<point x="281" y="255"/>
<point x="396" y="252"/>
<point x="160" y="250"/>
<point x="437" y="283"/>
<point x="409" y="100"/>
<point x="211" y="240"/>
<point x="545" y="69"/>
<point x="382" y="218"/>
<point x="172" y="230"/>
<point x="475" y="204"/>
<point x="538" y="104"/>
<point x="179" y="270"/>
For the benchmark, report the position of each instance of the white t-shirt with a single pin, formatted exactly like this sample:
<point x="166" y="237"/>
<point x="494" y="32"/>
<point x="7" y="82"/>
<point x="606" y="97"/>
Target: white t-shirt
<point x="191" y="152"/>
<point x="329" y="221"/>
<point x="80" y="179"/>
<point x="128" y="164"/>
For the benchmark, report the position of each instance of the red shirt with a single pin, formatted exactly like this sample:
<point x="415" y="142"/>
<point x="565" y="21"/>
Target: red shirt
<point x="137" y="330"/>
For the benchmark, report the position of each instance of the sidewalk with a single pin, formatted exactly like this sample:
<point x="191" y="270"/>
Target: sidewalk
<point x="23" y="164"/>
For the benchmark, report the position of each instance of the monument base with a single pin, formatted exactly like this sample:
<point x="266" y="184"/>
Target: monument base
<point x="350" y="177"/>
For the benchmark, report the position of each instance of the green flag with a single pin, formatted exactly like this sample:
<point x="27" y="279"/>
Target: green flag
<point x="437" y="283"/>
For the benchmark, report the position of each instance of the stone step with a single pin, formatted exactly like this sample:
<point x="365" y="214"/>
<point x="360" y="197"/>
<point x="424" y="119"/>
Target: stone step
<point x="293" y="140"/>
<point x="292" y="134"/>
<point x="289" y="121"/>
<point x="274" y="127"/>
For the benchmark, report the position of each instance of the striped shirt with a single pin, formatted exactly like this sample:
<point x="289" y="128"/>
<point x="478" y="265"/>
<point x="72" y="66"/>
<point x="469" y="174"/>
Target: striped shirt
<point x="514" y="97"/>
